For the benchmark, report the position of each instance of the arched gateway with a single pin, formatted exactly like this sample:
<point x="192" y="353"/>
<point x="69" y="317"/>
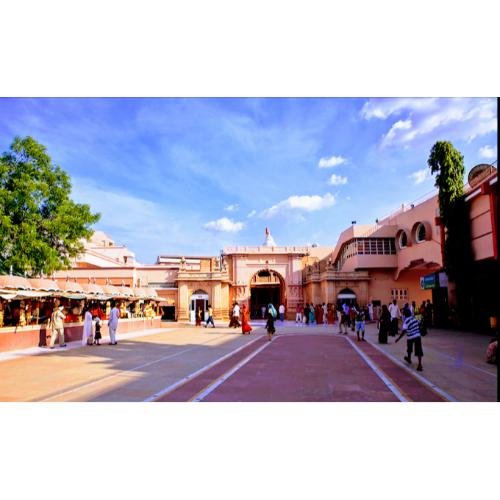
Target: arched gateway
<point x="266" y="286"/>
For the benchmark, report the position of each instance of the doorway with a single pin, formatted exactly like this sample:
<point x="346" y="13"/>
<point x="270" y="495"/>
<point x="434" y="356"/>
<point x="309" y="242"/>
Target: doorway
<point x="346" y="296"/>
<point x="266" y="287"/>
<point x="199" y="300"/>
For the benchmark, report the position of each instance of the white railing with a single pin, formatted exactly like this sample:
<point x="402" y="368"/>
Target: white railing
<point x="266" y="250"/>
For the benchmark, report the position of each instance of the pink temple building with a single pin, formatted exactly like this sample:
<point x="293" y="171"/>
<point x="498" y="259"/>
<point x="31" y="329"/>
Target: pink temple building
<point x="400" y="257"/>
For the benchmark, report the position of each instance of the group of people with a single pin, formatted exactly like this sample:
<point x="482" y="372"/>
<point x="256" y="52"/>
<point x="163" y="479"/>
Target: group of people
<point x="91" y="327"/>
<point x="311" y="314"/>
<point x="413" y="324"/>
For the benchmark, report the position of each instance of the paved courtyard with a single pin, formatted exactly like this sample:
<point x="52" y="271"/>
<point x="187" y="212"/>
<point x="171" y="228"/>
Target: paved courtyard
<point x="301" y="364"/>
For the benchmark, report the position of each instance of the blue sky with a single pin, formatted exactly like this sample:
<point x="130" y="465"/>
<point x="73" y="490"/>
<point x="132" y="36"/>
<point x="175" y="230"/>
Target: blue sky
<point x="191" y="175"/>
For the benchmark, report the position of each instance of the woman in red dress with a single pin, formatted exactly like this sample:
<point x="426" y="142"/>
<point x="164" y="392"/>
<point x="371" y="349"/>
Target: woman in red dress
<point x="245" y="325"/>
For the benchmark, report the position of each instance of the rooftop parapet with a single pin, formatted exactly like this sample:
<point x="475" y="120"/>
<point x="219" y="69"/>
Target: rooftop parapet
<point x="266" y="250"/>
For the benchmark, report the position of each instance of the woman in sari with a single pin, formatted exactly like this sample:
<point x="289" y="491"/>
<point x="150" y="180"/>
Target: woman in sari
<point x="312" y="317"/>
<point x="245" y="325"/>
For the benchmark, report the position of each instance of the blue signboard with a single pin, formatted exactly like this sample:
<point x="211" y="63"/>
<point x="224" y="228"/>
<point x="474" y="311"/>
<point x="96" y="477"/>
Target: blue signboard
<point x="428" y="281"/>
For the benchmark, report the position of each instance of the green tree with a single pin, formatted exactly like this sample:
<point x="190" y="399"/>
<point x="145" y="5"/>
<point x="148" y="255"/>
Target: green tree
<point x="41" y="228"/>
<point x="448" y="164"/>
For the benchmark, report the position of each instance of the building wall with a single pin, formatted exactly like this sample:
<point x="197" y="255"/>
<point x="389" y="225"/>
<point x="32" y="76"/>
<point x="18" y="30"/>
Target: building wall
<point x="481" y="227"/>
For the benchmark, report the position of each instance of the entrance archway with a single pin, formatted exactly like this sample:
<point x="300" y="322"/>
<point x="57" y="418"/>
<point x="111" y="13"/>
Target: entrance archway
<point x="347" y="296"/>
<point x="266" y="287"/>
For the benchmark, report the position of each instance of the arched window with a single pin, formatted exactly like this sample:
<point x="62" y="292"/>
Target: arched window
<point x="403" y="240"/>
<point x="420" y="233"/>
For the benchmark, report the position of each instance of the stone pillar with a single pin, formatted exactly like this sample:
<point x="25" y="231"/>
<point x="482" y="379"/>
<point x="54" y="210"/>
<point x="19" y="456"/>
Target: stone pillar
<point x="225" y="302"/>
<point x="217" y="300"/>
<point x="183" y="302"/>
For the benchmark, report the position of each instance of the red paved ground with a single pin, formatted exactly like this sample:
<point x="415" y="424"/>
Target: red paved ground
<point x="299" y="368"/>
<point x="292" y="368"/>
<point x="191" y="388"/>
<point x="412" y="388"/>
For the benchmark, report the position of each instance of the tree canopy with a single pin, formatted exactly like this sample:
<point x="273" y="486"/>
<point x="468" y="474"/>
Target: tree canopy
<point x="41" y="228"/>
<point x="448" y="164"/>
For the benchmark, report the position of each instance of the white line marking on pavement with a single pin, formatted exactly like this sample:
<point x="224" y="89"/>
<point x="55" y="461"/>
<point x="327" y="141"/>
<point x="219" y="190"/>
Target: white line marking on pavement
<point x="422" y="379"/>
<point x="182" y="381"/>
<point x="377" y="370"/>
<point x="121" y="372"/>
<point x="224" y="377"/>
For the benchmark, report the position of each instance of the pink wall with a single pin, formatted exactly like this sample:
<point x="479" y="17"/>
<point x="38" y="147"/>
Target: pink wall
<point x="481" y="227"/>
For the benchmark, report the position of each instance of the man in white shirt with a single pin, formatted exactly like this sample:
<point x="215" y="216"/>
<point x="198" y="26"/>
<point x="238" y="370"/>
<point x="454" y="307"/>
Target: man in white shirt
<point x="281" y="310"/>
<point x="236" y="316"/>
<point x="395" y="315"/>
<point x="370" y="311"/>
<point x="113" y="324"/>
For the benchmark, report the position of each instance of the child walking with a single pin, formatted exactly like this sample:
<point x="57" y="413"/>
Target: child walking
<point x="97" y="330"/>
<point x="360" y="324"/>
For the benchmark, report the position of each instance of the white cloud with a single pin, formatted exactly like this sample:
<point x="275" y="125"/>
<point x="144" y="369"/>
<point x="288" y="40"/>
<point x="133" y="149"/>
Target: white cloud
<point x="399" y="125"/>
<point x="333" y="161"/>
<point x="224" y="225"/>
<point x="420" y="176"/>
<point x="252" y="214"/>
<point x="337" y="180"/>
<point x="232" y="208"/>
<point x="301" y="203"/>
<point x="454" y="118"/>
<point x="488" y="152"/>
<point x="383" y="108"/>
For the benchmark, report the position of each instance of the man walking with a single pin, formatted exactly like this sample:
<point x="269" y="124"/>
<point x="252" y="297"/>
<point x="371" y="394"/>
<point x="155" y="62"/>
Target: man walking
<point x="395" y="315"/>
<point x="411" y="327"/>
<point x="235" y="320"/>
<point x="58" y="327"/>
<point x="113" y="324"/>
<point x="210" y="317"/>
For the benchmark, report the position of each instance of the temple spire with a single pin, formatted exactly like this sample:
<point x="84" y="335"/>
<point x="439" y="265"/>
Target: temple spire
<point x="269" y="242"/>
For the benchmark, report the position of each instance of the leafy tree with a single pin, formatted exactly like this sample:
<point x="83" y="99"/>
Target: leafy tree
<point x="41" y="228"/>
<point x="448" y="164"/>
